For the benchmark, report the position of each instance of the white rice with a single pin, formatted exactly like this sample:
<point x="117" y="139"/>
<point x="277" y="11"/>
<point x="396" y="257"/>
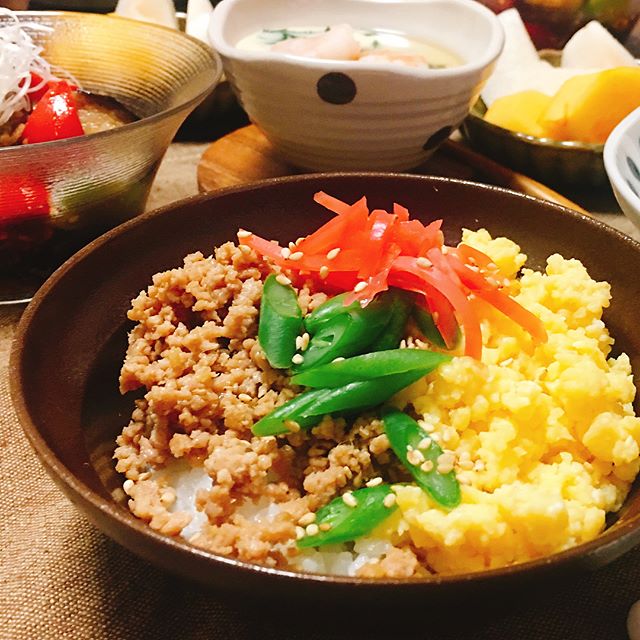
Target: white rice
<point x="338" y="559"/>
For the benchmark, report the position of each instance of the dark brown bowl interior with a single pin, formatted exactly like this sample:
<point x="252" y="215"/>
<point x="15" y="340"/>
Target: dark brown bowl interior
<point x="72" y="338"/>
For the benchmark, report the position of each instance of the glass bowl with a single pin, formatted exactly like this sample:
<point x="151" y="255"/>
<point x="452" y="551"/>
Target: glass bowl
<point x="95" y="182"/>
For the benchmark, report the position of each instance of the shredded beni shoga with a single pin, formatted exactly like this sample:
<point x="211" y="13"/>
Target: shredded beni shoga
<point x="366" y="252"/>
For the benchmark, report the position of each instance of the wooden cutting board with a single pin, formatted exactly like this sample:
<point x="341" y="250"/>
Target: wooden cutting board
<point x="245" y="155"/>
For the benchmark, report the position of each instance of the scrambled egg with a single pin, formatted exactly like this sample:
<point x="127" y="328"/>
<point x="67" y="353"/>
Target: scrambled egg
<point x="545" y="436"/>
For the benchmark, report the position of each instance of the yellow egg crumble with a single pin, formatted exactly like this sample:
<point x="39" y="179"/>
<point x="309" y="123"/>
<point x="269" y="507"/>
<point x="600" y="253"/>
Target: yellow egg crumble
<point x="545" y="437"/>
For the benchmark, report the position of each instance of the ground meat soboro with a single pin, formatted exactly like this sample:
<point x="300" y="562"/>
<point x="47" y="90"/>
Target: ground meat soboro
<point x="194" y="349"/>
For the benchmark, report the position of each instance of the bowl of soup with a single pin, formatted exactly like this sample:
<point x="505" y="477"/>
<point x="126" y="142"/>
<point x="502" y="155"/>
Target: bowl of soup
<point x="100" y="104"/>
<point x="355" y="85"/>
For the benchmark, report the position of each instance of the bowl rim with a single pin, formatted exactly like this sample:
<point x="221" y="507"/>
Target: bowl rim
<point x="140" y="122"/>
<point x="627" y="535"/>
<point x="224" y="8"/>
<point x="611" y="151"/>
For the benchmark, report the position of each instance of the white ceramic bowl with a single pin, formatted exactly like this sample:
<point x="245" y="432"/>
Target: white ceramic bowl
<point x="622" y="163"/>
<point x="355" y="115"/>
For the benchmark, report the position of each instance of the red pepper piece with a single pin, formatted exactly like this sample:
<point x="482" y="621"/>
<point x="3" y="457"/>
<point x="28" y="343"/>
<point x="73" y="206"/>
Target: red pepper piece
<point x="55" y="116"/>
<point x="36" y="96"/>
<point x="22" y="198"/>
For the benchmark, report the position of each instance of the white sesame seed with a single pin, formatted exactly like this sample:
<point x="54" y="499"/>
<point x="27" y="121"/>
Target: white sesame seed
<point x="415" y="457"/>
<point x="299" y="533"/>
<point x="361" y="286"/>
<point x="245" y="249"/>
<point x="325" y="526"/>
<point x="307" y="519"/>
<point x="444" y="468"/>
<point x="445" y="250"/>
<point x="403" y="344"/>
<point x="374" y="482"/>
<point x="389" y="500"/>
<point x="493" y="282"/>
<point x="144" y="476"/>
<point x="292" y="425"/>
<point x="296" y="256"/>
<point x="243" y="233"/>
<point x="127" y="485"/>
<point x="506" y="282"/>
<point x="425" y="443"/>
<point x="492" y="265"/>
<point x="427" y="426"/>
<point x="338" y="359"/>
<point x="298" y="358"/>
<point x="473" y="267"/>
<point x="300" y="239"/>
<point x="324" y="271"/>
<point x="244" y="397"/>
<point x="467" y="465"/>
<point x="424" y="263"/>
<point x="427" y="466"/>
<point x="304" y="343"/>
<point x="333" y="253"/>
<point x="285" y="253"/>
<point x="299" y="343"/>
<point x="349" y="499"/>
<point x="312" y="530"/>
<point x="282" y="279"/>
<point x="478" y="466"/>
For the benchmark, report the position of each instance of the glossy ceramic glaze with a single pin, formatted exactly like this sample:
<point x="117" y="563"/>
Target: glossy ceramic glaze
<point x="343" y="114"/>
<point x="622" y="162"/>
<point x="72" y="339"/>
<point x="96" y="182"/>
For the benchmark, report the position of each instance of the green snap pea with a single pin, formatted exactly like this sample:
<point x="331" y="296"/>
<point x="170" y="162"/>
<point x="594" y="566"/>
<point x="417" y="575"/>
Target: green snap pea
<point x="329" y="310"/>
<point x="404" y="432"/>
<point x="347" y="523"/>
<point x="396" y="326"/>
<point x="308" y="408"/>
<point x="370" y="366"/>
<point x="427" y="326"/>
<point x="280" y="323"/>
<point x="346" y="334"/>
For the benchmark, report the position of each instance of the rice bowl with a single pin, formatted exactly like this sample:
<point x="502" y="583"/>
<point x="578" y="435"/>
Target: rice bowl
<point x="195" y="470"/>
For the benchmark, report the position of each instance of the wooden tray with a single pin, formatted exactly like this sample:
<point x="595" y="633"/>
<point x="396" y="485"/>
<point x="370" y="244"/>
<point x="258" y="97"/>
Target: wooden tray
<point x="246" y="155"/>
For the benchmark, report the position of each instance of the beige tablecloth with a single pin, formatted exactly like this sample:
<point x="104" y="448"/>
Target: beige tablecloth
<point x="61" y="579"/>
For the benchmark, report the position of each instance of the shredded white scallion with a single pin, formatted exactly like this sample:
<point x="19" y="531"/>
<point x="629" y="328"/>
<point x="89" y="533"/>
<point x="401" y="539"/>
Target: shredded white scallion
<point x="19" y="57"/>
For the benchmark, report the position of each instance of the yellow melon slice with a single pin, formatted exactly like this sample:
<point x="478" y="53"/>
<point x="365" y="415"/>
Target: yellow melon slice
<point x="520" y="112"/>
<point x="588" y="107"/>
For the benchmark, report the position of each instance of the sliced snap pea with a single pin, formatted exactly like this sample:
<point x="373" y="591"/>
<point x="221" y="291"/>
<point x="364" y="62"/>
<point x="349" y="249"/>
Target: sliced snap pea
<point x="427" y="326"/>
<point x="403" y="432"/>
<point x="328" y="311"/>
<point x="280" y="323"/>
<point x="370" y="366"/>
<point x="294" y="410"/>
<point x="345" y="523"/>
<point x="308" y="408"/>
<point x="346" y="334"/>
<point x="396" y="325"/>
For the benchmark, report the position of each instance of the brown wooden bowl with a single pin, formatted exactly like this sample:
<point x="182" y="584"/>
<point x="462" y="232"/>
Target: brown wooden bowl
<point x="72" y="339"/>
